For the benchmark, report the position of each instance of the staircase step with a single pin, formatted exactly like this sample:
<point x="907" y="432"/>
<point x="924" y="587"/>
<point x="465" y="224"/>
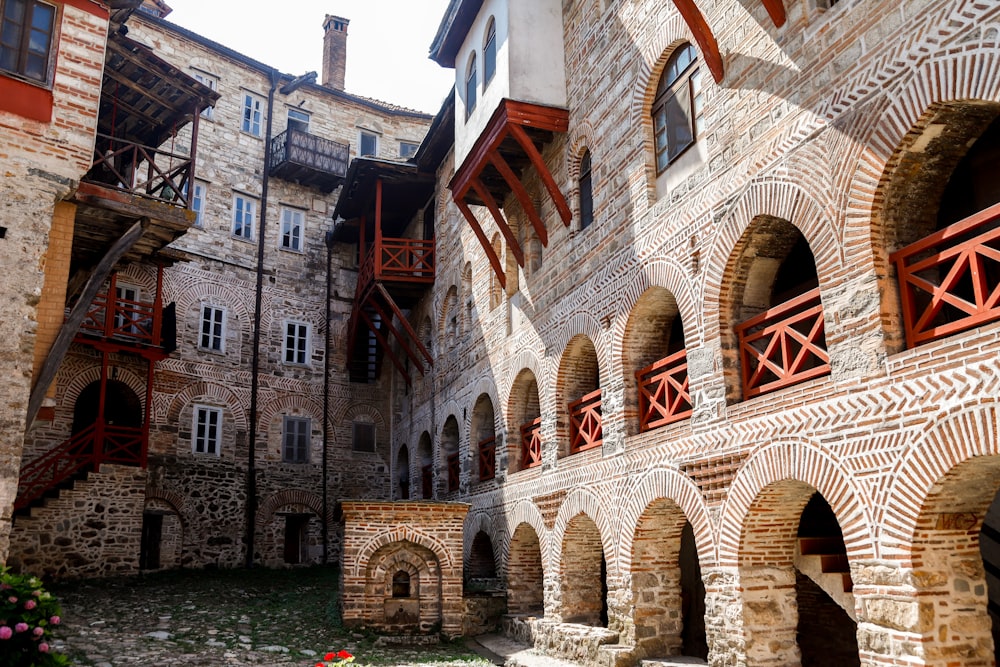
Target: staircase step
<point x="848" y="583"/>
<point x="834" y="563"/>
<point x="811" y="546"/>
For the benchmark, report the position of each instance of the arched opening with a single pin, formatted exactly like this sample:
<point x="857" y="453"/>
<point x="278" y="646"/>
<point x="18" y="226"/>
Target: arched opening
<point x="449" y="450"/>
<point x="119" y="431"/>
<point x="451" y="325"/>
<point x="793" y="557"/>
<point x="773" y="324"/>
<point x="425" y="452"/>
<point x="526" y="415"/>
<point x="403" y="473"/>
<point x="655" y="363"/>
<point x="667" y="589"/>
<point x="482" y="562"/>
<point x="401" y="584"/>
<point x="940" y="222"/>
<point x="483" y="438"/>
<point x="584" y="574"/>
<point x="579" y="390"/>
<point x="525" y="576"/>
<point x="162" y="537"/>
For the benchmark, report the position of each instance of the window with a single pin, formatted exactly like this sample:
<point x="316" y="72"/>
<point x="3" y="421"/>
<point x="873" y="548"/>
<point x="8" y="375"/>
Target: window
<point x="198" y="204"/>
<point x="213" y="329"/>
<point x="251" y="114"/>
<point x="677" y="108"/>
<point x="470" y="87"/>
<point x="295" y="440"/>
<point x="490" y="53"/>
<point x="207" y="433"/>
<point x="586" y="192"/>
<point x="298" y="120"/>
<point x="291" y="229"/>
<point x="244" y="210"/>
<point x="296" y="343"/>
<point x="407" y="149"/>
<point x="363" y="437"/>
<point x="128" y="311"/>
<point x="369" y="144"/>
<point x="401" y="584"/>
<point x="26" y="38"/>
<point x="213" y="83"/>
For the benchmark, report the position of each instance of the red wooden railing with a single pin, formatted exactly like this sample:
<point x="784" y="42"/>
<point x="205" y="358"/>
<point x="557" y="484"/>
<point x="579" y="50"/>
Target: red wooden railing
<point x="427" y="481"/>
<point x="87" y="450"/>
<point x="398" y="260"/>
<point x="585" y="431"/>
<point x="950" y="280"/>
<point x="141" y="170"/>
<point x="784" y="345"/>
<point x="531" y="443"/>
<point x="121" y="318"/>
<point x="487" y="459"/>
<point x="663" y="391"/>
<point x="454" y="469"/>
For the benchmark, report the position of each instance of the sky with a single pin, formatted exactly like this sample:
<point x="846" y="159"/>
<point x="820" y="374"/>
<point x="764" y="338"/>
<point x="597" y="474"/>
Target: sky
<point x="387" y="41"/>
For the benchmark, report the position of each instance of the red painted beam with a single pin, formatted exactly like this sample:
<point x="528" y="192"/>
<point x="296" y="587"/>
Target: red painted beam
<point x="702" y="32"/>
<point x="776" y="10"/>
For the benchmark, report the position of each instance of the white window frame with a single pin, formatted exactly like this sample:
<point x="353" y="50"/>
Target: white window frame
<point x="206" y="444"/>
<point x="296" y="338"/>
<point x="296" y="440"/>
<point x="252" y="116"/>
<point x="198" y="203"/>
<point x="301" y="118"/>
<point x="361" y="136"/>
<point x="414" y="147"/>
<point x="211" y="81"/>
<point x="293" y="223"/>
<point x="133" y="294"/>
<point x="212" y="316"/>
<point x="244" y="215"/>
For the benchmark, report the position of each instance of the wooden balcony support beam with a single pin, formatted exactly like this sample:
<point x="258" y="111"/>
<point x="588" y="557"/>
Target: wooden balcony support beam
<point x="776" y="10"/>
<point x="702" y="32"/>
<point x="535" y="157"/>
<point x="483" y="241"/>
<point x="406" y="325"/>
<point x="494" y="209"/>
<point x="387" y="319"/>
<point x="522" y="196"/>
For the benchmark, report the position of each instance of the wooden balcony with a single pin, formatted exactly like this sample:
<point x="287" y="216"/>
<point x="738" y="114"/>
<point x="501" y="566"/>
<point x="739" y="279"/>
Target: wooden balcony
<point x="783" y="346"/>
<point x="585" y="430"/>
<point x="405" y="264"/>
<point x="663" y="392"/>
<point x="304" y="158"/>
<point x="454" y="471"/>
<point x="950" y="281"/>
<point x="531" y="443"/>
<point x="146" y="172"/>
<point x="116" y="324"/>
<point x="487" y="459"/>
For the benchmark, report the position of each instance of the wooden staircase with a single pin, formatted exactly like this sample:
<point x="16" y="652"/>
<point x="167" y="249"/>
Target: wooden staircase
<point x="824" y="560"/>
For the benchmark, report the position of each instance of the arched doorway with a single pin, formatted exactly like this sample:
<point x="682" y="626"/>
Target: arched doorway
<point x="119" y="431"/>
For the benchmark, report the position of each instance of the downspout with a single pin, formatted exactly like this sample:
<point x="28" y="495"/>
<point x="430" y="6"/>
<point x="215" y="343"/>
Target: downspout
<point x="325" y="530"/>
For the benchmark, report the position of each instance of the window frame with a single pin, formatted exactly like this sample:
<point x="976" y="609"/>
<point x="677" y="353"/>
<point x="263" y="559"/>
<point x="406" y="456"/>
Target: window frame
<point x="215" y="440"/>
<point x="297" y="123"/>
<point x="681" y="90"/>
<point x="208" y="316"/>
<point x="490" y="53"/>
<point x="292" y="234"/>
<point x="211" y="81"/>
<point x="408" y="153"/>
<point x="302" y="436"/>
<point x="354" y="436"/>
<point x="252" y="116"/>
<point x="586" y="186"/>
<point x="296" y="343"/>
<point x="361" y="143"/>
<point x="199" y="192"/>
<point x="240" y="213"/>
<point x="471" y="86"/>
<point x="23" y="48"/>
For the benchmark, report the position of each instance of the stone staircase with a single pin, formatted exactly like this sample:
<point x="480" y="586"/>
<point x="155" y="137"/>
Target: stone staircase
<point x="824" y="560"/>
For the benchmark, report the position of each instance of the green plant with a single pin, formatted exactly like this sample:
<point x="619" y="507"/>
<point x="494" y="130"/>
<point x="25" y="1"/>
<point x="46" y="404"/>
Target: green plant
<point x="338" y="659"/>
<point x="27" y="615"/>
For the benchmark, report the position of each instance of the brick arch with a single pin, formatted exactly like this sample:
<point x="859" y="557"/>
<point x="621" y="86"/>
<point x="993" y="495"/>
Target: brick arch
<point x="402" y="534"/>
<point x="140" y="275"/>
<point x="171" y="498"/>
<point x="274" y="502"/>
<point x="284" y="404"/>
<point x="220" y="393"/>
<point x="581" y="137"/>
<point x="481" y="521"/>
<point x="662" y="272"/>
<point x="449" y="303"/>
<point x="803" y="462"/>
<point x="484" y="385"/>
<point x="525" y="359"/>
<point x="204" y="290"/>
<point x="953" y="438"/>
<point x="83" y="378"/>
<point x="527" y="512"/>
<point x="584" y="322"/>
<point x="355" y="410"/>
<point x="671" y="485"/>
<point x="583" y="501"/>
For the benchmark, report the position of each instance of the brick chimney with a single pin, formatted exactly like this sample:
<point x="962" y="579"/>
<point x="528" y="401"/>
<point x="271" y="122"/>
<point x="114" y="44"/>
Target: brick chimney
<point x="334" y="51"/>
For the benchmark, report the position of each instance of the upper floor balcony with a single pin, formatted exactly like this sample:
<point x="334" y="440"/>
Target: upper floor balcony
<point x="309" y="160"/>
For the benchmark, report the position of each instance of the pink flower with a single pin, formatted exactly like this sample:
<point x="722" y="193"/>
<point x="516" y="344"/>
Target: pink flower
<point x="37" y="594"/>
<point x="30" y="604"/>
<point x="43" y="647"/>
<point x="55" y="620"/>
<point x="5" y="632"/>
<point x="21" y="627"/>
<point x="38" y="632"/>
<point x="12" y="599"/>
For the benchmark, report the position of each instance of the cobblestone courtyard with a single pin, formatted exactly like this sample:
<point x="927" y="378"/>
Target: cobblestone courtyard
<point x="223" y="617"/>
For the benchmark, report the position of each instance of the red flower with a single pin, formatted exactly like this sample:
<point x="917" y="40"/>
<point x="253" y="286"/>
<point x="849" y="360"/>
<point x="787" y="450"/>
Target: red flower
<point x="328" y="657"/>
<point x="344" y="655"/>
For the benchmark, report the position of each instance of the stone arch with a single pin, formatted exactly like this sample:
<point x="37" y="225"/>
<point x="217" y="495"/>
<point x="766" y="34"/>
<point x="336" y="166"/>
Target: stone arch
<point x="82" y="379"/>
<point x="267" y="509"/>
<point x="287" y="405"/>
<point x="528" y="513"/>
<point x="205" y="291"/>
<point x="171" y="530"/>
<point x="525" y="569"/>
<point x="482" y="428"/>
<point x="805" y="463"/>
<point x="402" y="534"/>
<point x="524" y="408"/>
<point x="578" y="378"/>
<point x="481" y="521"/>
<point x="583" y="501"/>
<point x="220" y="394"/>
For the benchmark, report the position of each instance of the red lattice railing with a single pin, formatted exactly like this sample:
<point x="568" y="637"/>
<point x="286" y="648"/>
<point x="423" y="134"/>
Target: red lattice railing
<point x="121" y="318"/>
<point x="87" y="450"/>
<point x="141" y="170"/>
<point x="454" y="470"/>
<point x="585" y="429"/>
<point x="427" y="481"/>
<point x="663" y="391"/>
<point x="487" y="459"/>
<point x="531" y="443"/>
<point x="411" y="260"/>
<point x="783" y="346"/>
<point x="950" y="280"/>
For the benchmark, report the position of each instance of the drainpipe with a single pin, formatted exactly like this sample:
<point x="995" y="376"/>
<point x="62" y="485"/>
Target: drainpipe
<point x="326" y="398"/>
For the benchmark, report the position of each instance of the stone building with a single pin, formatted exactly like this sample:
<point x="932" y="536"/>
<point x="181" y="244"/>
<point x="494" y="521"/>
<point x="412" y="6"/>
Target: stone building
<point x="712" y="345"/>
<point x="196" y="418"/>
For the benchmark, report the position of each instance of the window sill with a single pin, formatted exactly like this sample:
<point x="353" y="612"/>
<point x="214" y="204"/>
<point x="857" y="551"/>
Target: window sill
<point x="692" y="159"/>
